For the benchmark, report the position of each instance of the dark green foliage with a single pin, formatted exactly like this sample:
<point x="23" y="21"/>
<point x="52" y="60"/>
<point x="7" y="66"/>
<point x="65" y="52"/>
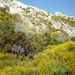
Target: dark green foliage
<point x="7" y="35"/>
<point x="6" y="29"/>
<point x="73" y="38"/>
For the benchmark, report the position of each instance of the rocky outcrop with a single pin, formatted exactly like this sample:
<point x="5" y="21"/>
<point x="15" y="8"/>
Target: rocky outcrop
<point x="18" y="49"/>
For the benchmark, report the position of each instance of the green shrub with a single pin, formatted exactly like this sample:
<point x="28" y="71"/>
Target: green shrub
<point x="61" y="71"/>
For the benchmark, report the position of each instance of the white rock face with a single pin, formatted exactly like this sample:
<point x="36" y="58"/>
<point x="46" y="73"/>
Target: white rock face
<point x="60" y="14"/>
<point x="65" y="27"/>
<point x="36" y="18"/>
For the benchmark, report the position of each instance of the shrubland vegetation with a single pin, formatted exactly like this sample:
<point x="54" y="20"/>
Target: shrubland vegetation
<point x="37" y="55"/>
<point x="54" y="60"/>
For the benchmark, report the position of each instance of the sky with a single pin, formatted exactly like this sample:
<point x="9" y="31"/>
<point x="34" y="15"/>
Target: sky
<point x="65" y="6"/>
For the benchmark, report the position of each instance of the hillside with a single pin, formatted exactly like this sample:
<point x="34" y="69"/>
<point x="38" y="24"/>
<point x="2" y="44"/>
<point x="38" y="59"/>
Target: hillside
<point x="35" y="20"/>
<point x="35" y="42"/>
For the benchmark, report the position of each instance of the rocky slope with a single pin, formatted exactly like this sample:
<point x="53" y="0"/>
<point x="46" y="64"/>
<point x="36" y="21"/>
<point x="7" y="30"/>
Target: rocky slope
<point x="35" y="20"/>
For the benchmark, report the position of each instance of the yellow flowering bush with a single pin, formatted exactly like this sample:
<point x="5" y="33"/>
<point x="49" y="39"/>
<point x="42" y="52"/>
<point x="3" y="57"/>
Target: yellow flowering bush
<point x="59" y="58"/>
<point x="54" y="60"/>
